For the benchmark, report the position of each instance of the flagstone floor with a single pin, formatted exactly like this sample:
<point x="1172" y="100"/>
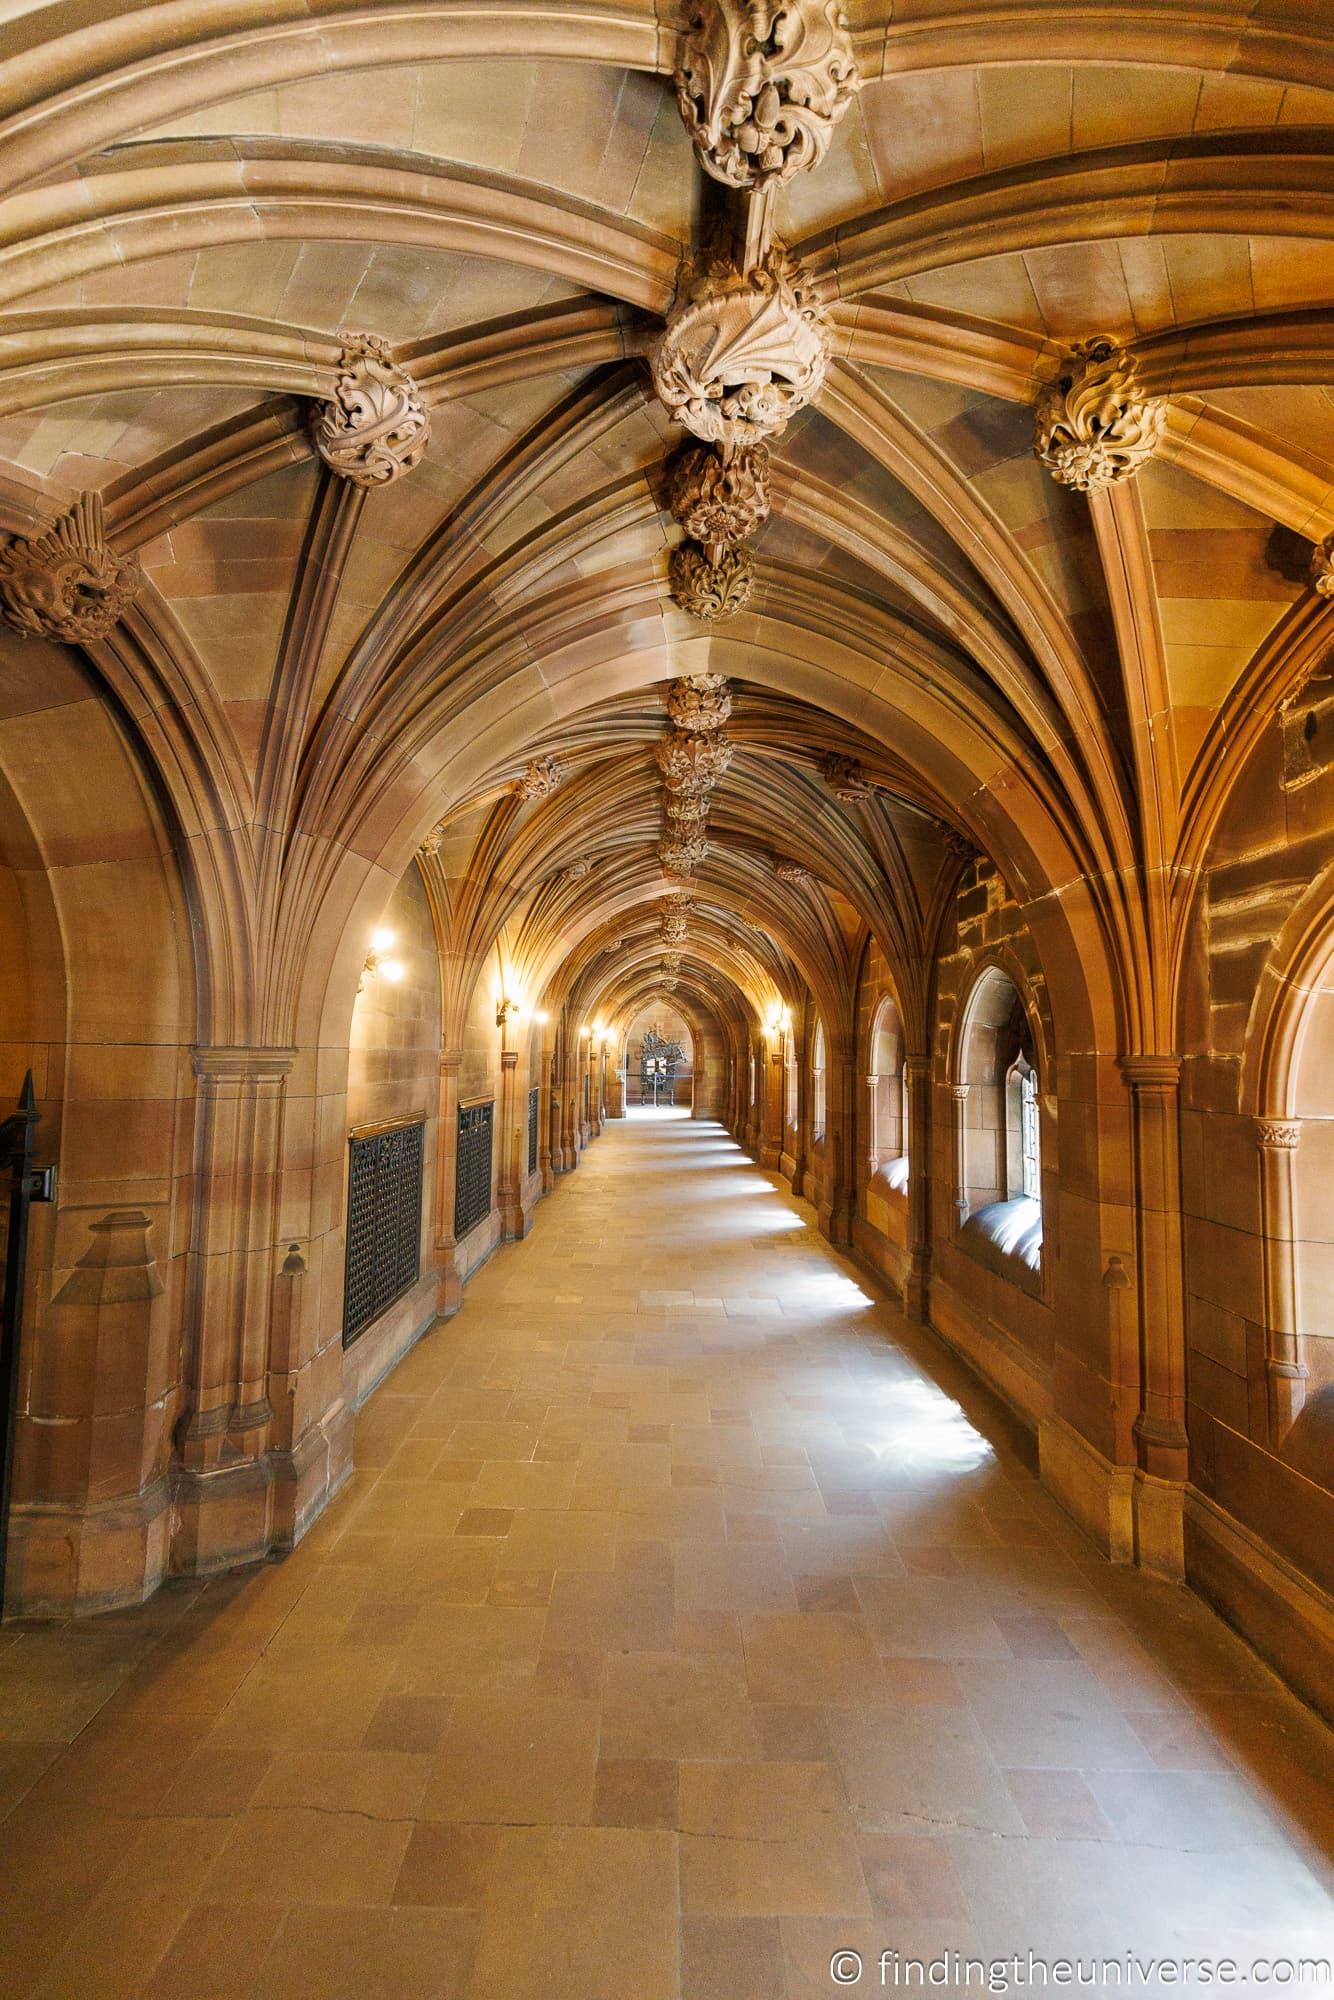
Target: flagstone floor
<point x="691" y="1618"/>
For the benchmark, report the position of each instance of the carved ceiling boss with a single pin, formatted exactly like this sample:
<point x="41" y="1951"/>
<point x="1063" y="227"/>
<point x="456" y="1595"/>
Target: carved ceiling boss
<point x="376" y="427"/>
<point x="65" y="583"/>
<point x="761" y="88"/>
<point x="1095" y="425"/>
<point x="542" y="777"/>
<point x="699" y="702"/>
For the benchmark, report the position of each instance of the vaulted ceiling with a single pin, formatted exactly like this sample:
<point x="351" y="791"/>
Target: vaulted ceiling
<point x="203" y="201"/>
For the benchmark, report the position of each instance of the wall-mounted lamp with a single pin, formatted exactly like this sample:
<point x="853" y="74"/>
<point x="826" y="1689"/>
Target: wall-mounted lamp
<point x="509" y="1009"/>
<point x="378" y="965"/>
<point x="585" y="1032"/>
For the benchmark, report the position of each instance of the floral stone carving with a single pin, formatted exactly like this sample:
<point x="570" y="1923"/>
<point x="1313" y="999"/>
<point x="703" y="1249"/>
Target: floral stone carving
<point x="792" y="871"/>
<point x="699" y="702"/>
<point x="1095" y="425"/>
<point x="65" y="583"/>
<point x="671" y="961"/>
<point x="692" y="764"/>
<point x="742" y="352"/>
<point x="761" y="87"/>
<point x="709" y="589"/>
<point x="682" y="857"/>
<point x="718" y="499"/>
<point x="376" y="427"/>
<point x="542" y="777"/>
<point x="575" y="871"/>
<point x="433" y="842"/>
<point x="1322" y="567"/>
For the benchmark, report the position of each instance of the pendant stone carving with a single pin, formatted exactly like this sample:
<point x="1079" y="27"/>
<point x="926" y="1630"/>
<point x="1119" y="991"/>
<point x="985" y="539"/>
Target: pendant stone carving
<point x="682" y="857"/>
<point x="845" y="777"/>
<point x="65" y="583"/>
<point x="693" y="764"/>
<point x="542" y="777"/>
<point x="742" y="352"/>
<point x="1322" y="567"/>
<point x="762" y="86"/>
<point x="708" y="588"/>
<point x="1095" y="426"/>
<point x="699" y="702"/>
<point x="718" y="499"/>
<point x="376" y="427"/>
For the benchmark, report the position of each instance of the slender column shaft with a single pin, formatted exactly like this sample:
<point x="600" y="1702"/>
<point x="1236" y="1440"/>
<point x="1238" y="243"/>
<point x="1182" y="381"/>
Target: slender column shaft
<point x="1285" y="1372"/>
<point x="1160" y="1428"/>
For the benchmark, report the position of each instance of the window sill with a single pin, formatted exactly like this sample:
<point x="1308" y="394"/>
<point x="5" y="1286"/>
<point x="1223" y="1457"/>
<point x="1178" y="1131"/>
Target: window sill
<point x="892" y="1174"/>
<point x="1006" y="1236"/>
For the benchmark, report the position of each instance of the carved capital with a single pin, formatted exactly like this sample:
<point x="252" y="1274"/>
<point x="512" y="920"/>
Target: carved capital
<point x="376" y="427"/>
<point x="1280" y="1135"/>
<point x="692" y="764"/>
<point x="742" y="352"/>
<point x="542" y="777"/>
<point x="762" y="86"/>
<point x="707" y="588"/>
<point x="1095" y="425"/>
<point x="718" y="499"/>
<point x="1322" y="567"/>
<point x="699" y="702"/>
<point x="433" y="842"/>
<point x="241" y="1064"/>
<point x="65" y="583"/>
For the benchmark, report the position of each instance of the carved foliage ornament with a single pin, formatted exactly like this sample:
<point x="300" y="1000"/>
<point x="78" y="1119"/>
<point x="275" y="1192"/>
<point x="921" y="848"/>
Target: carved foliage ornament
<point x="699" y="702"/>
<point x="692" y="764"/>
<point x="718" y="499"/>
<point x="542" y="777"/>
<point x="1095" y="425"/>
<point x="1281" y="1135"/>
<point x="377" y="426"/>
<point x="711" y="590"/>
<point x="682" y="857"/>
<point x="792" y="871"/>
<point x="742" y="352"/>
<point x="1322" y="567"/>
<point x="761" y="87"/>
<point x="576" y="870"/>
<point x="434" y="841"/>
<point x="66" y="583"/>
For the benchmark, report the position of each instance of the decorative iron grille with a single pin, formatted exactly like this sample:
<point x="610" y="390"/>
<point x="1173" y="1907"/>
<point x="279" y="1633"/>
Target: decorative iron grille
<point x="384" y="1222"/>
<point x="472" y="1182"/>
<point x="534" y="1112"/>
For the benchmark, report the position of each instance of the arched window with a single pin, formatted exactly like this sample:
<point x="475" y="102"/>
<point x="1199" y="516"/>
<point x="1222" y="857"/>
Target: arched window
<point x="887" y="1085"/>
<point x="1022" y="1158"/>
<point x="998" y="1139"/>
<point x="818" y="1092"/>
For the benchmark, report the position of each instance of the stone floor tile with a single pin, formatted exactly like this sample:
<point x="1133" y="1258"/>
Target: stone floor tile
<point x="732" y="1958"/>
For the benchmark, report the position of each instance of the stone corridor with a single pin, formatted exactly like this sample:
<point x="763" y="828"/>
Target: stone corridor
<point x="689" y="1617"/>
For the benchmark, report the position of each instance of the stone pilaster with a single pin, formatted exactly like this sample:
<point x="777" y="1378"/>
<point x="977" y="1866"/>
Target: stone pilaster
<point x="917" y="1145"/>
<point x="1161" y="1445"/>
<point x="223" y="1479"/>
<point x="449" y="1295"/>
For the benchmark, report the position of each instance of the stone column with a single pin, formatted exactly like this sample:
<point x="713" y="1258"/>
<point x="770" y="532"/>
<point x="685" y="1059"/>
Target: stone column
<point x="223" y="1496"/>
<point x="1160" y="1428"/>
<point x="449" y="1296"/>
<point x="1285" y="1375"/>
<point x="917" y="1143"/>
<point x="959" y="1112"/>
<point x="771" y="1105"/>
<point x="548" y="1155"/>
<point x="509" y="1175"/>
<point x="836" y="1196"/>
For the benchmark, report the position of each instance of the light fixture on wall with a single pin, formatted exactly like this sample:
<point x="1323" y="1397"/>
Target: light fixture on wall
<point x="379" y="965"/>
<point x="779" y="1018"/>
<point x="508" y="1008"/>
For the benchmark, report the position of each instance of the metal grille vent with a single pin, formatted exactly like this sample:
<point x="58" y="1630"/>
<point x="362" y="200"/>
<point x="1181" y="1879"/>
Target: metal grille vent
<point x="384" y="1216"/>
